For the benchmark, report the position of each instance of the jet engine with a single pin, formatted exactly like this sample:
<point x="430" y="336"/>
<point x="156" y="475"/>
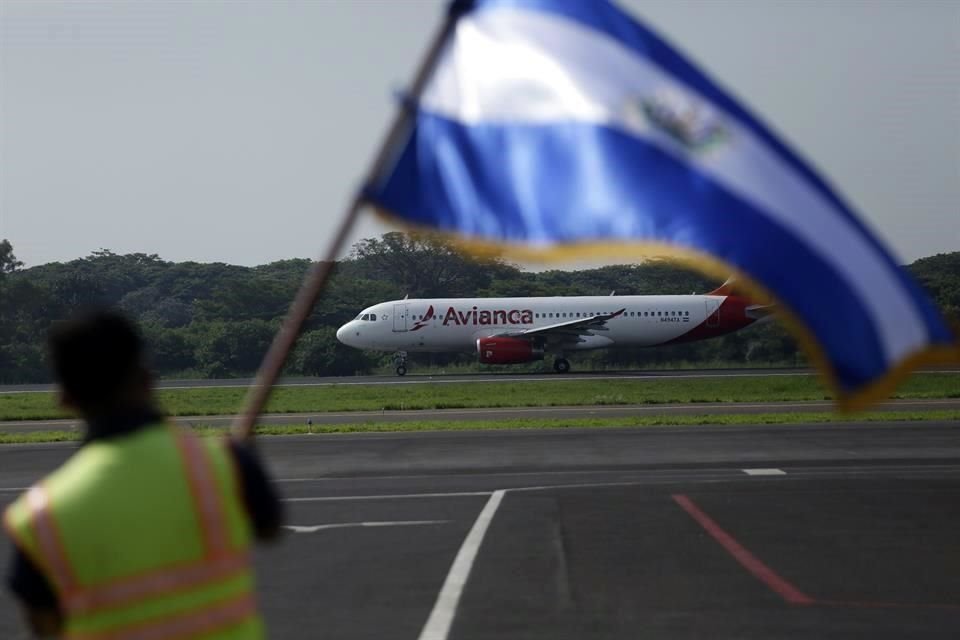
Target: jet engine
<point x="496" y="350"/>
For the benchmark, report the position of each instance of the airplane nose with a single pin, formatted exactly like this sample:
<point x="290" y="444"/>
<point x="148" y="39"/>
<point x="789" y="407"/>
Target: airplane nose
<point x="342" y="333"/>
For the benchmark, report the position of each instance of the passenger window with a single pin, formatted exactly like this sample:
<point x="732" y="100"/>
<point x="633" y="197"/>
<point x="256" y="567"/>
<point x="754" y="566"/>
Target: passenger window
<point x="687" y="313"/>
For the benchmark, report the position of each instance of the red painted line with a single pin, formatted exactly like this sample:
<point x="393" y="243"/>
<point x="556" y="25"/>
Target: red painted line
<point x="750" y="562"/>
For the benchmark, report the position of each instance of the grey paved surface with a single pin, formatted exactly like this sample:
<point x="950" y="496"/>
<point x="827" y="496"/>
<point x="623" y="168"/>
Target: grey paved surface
<point x="590" y="541"/>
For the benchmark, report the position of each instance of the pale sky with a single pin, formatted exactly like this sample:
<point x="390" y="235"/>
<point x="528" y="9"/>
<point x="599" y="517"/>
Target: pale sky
<point x="237" y="131"/>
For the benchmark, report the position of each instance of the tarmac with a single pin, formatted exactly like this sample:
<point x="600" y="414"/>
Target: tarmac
<point x="799" y="531"/>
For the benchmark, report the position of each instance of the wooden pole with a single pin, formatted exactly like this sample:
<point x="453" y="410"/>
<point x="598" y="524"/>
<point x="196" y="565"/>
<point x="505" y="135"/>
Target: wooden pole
<point x="319" y="274"/>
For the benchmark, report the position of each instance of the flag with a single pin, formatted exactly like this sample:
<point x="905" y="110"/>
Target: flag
<point x="554" y="128"/>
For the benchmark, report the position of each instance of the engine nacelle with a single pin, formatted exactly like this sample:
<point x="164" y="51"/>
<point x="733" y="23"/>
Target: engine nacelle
<point x="507" y="350"/>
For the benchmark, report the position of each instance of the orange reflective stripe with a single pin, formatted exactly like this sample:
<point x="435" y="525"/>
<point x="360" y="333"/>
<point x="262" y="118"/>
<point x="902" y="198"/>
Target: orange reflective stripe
<point x="48" y="541"/>
<point x="206" y="496"/>
<point x="210" y="618"/>
<point x="163" y="582"/>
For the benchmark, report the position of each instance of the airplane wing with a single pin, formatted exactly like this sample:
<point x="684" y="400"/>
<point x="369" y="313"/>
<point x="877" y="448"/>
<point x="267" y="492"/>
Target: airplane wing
<point x="567" y="331"/>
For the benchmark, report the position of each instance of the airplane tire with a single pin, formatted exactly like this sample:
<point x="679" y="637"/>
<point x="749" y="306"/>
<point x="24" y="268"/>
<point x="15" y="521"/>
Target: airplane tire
<point x="561" y="365"/>
<point x="401" y="370"/>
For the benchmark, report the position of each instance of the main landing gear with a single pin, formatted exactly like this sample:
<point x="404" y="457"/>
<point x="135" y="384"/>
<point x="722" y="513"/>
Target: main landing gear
<point x="561" y="365"/>
<point x="401" y="361"/>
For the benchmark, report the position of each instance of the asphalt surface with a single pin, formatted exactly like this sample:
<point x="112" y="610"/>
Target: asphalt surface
<point x="802" y="531"/>
<point x="416" y="378"/>
<point x="542" y="413"/>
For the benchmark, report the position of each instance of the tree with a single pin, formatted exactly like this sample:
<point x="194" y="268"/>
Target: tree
<point x="940" y="276"/>
<point x="8" y="261"/>
<point x="318" y="353"/>
<point x="423" y="265"/>
<point x="233" y="348"/>
<point x="171" y="351"/>
<point x="218" y="319"/>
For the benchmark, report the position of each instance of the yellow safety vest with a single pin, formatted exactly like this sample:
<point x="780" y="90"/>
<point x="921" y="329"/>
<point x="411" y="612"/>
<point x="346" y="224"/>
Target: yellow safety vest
<point x="144" y="537"/>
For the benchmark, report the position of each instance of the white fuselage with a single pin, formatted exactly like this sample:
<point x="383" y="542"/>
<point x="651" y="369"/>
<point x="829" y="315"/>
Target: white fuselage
<point x="455" y="324"/>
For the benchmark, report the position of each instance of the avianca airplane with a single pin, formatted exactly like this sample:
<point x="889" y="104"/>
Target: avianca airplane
<point x="516" y="330"/>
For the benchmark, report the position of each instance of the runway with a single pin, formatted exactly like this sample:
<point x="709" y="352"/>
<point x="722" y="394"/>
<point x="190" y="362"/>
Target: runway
<point x="536" y="413"/>
<point x="802" y="531"/>
<point x="416" y="378"/>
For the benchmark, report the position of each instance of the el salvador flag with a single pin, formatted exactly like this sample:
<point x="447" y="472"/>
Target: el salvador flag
<point x="552" y="125"/>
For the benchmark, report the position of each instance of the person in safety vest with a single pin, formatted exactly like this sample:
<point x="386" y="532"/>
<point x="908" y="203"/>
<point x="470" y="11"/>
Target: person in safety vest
<point x="145" y="531"/>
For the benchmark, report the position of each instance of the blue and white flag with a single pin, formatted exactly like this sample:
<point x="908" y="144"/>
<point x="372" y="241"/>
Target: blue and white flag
<point x="557" y="125"/>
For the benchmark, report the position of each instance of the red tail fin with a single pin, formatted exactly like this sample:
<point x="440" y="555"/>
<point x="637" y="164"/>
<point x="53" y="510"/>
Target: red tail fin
<point x="725" y="289"/>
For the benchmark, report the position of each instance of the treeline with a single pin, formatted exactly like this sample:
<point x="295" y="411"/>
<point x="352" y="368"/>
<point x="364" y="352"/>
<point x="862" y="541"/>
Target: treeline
<point x="217" y="320"/>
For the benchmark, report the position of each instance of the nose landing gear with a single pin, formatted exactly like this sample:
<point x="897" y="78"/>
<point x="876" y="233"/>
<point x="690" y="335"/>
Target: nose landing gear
<point x="400" y="360"/>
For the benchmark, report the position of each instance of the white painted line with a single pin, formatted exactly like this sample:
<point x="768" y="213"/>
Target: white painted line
<point x="764" y="472"/>
<point x="441" y="617"/>
<point x="393" y="496"/>
<point x="349" y="525"/>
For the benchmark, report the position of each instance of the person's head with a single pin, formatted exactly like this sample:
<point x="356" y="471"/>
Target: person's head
<point x="98" y="361"/>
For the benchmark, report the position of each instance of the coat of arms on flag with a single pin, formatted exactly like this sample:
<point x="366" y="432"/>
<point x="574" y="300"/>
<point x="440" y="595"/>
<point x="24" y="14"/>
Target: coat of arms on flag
<point x="693" y="125"/>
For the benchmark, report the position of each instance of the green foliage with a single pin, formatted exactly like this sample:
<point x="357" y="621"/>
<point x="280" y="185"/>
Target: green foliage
<point x="199" y="401"/>
<point x="319" y="353"/>
<point x="218" y="319"/>
<point x="8" y="261"/>
<point x="700" y="421"/>
<point x="940" y="275"/>
<point x="225" y="347"/>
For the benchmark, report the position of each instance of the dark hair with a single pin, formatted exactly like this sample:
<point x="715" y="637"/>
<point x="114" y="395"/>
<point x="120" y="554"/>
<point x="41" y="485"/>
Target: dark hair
<point x="95" y="355"/>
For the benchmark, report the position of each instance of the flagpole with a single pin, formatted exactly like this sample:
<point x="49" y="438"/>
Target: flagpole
<point x="319" y="274"/>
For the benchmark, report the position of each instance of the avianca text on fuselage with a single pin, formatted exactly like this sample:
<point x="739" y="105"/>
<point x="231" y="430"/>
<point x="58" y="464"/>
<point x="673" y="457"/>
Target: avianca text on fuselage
<point x="487" y="317"/>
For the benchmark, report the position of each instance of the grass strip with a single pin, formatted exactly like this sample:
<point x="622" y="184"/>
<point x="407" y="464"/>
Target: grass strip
<point x="552" y="423"/>
<point x="454" y="395"/>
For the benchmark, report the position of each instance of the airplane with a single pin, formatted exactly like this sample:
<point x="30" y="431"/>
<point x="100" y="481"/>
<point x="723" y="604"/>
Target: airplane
<point x="518" y="330"/>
